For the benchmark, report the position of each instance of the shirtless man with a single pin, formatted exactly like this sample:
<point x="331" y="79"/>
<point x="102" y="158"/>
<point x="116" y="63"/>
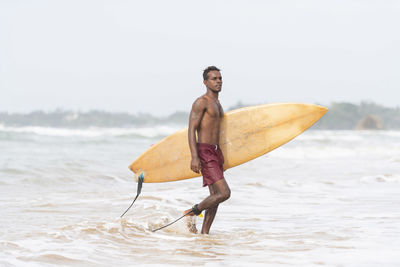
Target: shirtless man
<point x="205" y="118"/>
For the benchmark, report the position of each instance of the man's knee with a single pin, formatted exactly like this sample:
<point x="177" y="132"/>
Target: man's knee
<point x="224" y="195"/>
<point x="222" y="190"/>
<point x="227" y="194"/>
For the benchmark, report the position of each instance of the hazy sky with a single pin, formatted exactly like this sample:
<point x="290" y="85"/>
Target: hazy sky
<point x="148" y="56"/>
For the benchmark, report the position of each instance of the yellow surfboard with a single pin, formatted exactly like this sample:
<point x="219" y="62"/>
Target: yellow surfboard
<point x="246" y="133"/>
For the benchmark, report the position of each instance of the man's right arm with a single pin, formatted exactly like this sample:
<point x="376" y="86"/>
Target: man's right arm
<point x="196" y="114"/>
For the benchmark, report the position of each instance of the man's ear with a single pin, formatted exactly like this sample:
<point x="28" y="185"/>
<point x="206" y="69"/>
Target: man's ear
<point x="205" y="82"/>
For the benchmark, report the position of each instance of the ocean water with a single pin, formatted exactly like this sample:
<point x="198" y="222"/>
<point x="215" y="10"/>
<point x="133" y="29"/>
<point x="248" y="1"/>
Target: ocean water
<point x="327" y="198"/>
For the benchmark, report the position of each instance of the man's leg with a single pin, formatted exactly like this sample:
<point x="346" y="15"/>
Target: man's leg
<point x="209" y="214"/>
<point x="219" y="192"/>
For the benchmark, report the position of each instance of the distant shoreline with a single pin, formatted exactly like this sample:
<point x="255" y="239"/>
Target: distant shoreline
<point x="341" y="116"/>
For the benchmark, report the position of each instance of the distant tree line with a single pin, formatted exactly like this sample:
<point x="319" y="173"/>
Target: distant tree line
<point x="347" y="116"/>
<point x="340" y="116"/>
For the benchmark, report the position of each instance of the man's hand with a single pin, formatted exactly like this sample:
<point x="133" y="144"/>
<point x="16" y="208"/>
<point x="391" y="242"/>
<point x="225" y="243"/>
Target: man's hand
<point x="195" y="165"/>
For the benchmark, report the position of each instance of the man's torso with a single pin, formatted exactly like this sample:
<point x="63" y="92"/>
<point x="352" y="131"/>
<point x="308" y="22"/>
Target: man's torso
<point x="208" y="131"/>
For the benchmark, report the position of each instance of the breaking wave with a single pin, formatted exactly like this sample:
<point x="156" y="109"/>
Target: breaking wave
<point x="136" y="132"/>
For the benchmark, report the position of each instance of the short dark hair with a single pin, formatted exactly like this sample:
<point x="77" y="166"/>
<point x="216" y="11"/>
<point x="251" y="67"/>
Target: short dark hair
<point x="207" y="70"/>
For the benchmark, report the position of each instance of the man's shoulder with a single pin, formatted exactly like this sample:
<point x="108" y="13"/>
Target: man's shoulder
<point x="200" y="103"/>
<point x="201" y="100"/>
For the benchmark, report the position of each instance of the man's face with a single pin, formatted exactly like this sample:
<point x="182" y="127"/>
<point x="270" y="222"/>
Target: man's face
<point x="214" y="81"/>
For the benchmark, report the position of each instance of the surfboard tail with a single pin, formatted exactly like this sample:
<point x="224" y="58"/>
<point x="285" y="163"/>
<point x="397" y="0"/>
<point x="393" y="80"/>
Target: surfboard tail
<point x="138" y="174"/>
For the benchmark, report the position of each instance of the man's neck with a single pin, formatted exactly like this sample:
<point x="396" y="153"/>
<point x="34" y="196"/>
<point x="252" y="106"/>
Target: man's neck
<point x="211" y="94"/>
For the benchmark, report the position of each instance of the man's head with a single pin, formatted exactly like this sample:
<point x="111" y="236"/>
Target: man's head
<point x="212" y="79"/>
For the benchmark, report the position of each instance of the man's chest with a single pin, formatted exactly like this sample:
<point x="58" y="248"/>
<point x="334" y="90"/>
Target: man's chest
<point x="215" y="110"/>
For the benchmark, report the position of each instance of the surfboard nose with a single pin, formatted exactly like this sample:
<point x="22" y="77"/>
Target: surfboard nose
<point x="322" y="109"/>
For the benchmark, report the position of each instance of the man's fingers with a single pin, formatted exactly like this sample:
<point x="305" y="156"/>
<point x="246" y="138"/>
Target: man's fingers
<point x="196" y="168"/>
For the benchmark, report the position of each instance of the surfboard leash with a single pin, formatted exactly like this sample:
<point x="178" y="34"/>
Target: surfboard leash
<point x="194" y="210"/>
<point x="165" y="226"/>
<point x="139" y="190"/>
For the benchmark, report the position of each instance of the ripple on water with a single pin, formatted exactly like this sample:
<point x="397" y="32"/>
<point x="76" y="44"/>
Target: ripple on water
<point x="382" y="178"/>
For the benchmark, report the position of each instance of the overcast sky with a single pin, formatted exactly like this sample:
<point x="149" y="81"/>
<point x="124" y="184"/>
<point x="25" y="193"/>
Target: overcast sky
<point x="148" y="56"/>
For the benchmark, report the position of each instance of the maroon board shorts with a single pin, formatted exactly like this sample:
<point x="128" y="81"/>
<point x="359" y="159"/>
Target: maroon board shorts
<point x="212" y="162"/>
